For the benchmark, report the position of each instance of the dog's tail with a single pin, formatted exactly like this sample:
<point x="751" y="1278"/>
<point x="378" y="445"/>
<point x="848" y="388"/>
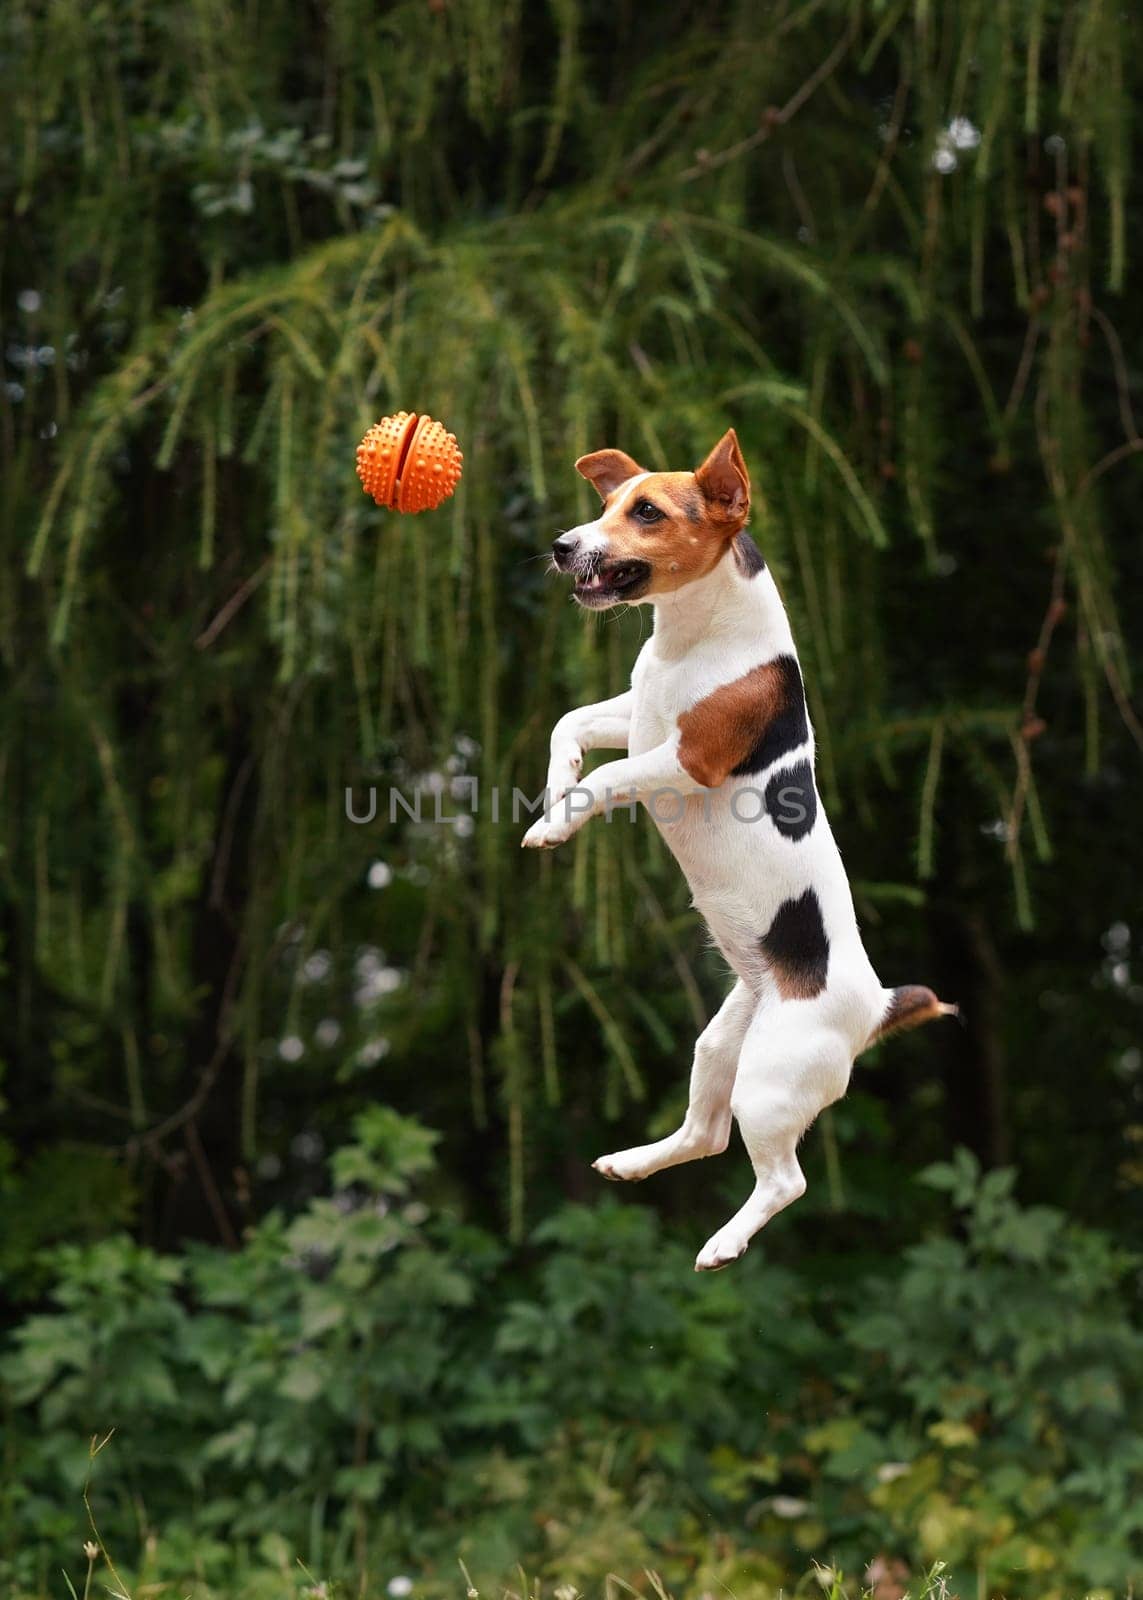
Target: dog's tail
<point x="909" y="1007"/>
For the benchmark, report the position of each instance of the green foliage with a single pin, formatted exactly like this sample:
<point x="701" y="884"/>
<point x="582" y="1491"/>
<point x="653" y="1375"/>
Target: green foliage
<point x="373" y="1386"/>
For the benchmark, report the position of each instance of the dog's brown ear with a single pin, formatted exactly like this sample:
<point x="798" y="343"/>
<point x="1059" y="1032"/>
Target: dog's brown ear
<point x="607" y="469"/>
<point x="724" y="481"/>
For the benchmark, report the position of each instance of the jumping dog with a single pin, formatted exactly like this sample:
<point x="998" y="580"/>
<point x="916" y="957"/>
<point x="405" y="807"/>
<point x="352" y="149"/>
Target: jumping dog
<point x="721" y="752"/>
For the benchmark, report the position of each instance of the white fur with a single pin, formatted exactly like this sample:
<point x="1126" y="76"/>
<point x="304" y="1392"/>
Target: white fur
<point x="772" y="1064"/>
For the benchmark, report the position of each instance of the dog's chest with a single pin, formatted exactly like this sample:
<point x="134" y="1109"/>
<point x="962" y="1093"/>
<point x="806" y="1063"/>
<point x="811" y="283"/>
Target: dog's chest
<point x="661" y="692"/>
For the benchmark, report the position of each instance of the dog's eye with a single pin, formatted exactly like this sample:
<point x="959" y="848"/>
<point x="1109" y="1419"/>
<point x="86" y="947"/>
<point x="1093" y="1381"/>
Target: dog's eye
<point x="646" y="512"/>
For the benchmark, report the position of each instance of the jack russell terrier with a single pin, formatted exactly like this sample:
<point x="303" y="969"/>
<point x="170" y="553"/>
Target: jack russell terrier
<point x="721" y="752"/>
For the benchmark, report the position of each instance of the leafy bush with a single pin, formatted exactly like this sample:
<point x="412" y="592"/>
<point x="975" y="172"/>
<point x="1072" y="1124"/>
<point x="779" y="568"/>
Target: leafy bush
<point x="332" y="1392"/>
<point x="1020" y="1363"/>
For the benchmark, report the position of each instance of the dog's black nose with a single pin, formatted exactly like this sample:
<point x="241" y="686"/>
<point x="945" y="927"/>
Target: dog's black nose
<point x="564" y="546"/>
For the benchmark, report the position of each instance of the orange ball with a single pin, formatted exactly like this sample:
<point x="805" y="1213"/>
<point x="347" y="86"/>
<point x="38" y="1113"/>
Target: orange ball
<point x="409" y="463"/>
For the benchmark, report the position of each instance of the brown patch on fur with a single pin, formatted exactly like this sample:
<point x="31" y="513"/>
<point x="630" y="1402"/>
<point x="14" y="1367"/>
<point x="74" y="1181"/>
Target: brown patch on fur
<point x="909" y="1007"/>
<point x="681" y="547"/>
<point x="725" y="482"/>
<point x="794" y="986"/>
<point x="605" y="470"/>
<point x="718" y="733"/>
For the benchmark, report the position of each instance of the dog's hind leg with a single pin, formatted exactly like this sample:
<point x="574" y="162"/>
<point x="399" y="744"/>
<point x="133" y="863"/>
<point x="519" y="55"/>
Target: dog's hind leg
<point x="791" y="1067"/>
<point x="706" y="1127"/>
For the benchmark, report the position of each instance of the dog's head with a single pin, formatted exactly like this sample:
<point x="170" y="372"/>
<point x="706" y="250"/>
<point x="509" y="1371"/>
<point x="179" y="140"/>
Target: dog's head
<point x="657" y="530"/>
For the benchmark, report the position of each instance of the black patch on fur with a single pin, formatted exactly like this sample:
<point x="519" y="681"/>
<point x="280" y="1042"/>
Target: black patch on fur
<point x="796" y="947"/>
<point x="786" y="730"/>
<point x="792" y="801"/>
<point x="747" y="556"/>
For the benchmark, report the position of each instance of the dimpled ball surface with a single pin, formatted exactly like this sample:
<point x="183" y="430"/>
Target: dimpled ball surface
<point x="409" y="462"/>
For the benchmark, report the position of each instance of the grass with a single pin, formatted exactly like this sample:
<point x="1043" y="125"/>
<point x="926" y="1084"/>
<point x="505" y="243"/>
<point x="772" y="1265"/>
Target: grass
<point x="882" y="1581"/>
<point x="821" y="1582"/>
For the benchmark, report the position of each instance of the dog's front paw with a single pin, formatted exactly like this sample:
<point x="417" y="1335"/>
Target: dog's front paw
<point x="547" y="833"/>
<point x="625" y="1166"/>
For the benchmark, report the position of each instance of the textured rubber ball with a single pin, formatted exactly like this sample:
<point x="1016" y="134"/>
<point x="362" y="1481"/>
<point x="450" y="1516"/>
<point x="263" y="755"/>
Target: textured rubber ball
<point x="409" y="463"/>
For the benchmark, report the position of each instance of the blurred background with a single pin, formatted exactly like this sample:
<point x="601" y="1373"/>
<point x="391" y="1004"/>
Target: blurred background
<point x="298" y="1110"/>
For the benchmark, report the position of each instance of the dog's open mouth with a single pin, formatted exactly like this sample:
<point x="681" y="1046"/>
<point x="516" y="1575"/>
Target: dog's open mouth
<point x="610" y="583"/>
